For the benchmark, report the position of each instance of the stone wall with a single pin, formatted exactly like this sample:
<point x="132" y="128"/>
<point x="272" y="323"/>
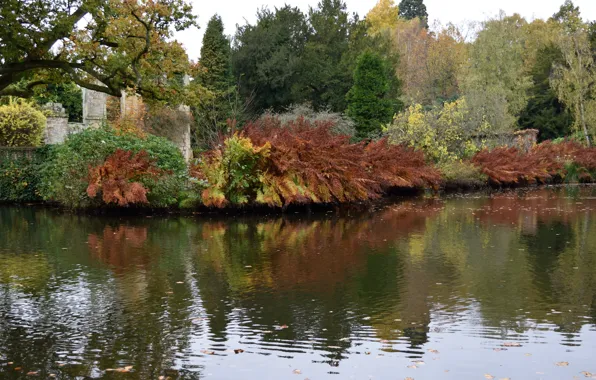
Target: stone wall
<point x="57" y="124"/>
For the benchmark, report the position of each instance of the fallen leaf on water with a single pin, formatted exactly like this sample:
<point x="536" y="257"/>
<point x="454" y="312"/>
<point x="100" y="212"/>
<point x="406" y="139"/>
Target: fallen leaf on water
<point x="17" y="368"/>
<point x="412" y="367"/>
<point x="433" y="351"/>
<point x="296" y="372"/>
<point x="504" y="378"/>
<point x="207" y="352"/>
<point x="409" y="378"/>
<point x="384" y="341"/>
<point x="498" y="349"/>
<point x="367" y="353"/>
<point x="586" y="374"/>
<point x="488" y="376"/>
<point x="238" y="351"/>
<point x="180" y="282"/>
<point x="528" y="354"/>
<point x="32" y="373"/>
<point x="418" y="362"/>
<point x="562" y="364"/>
<point x="511" y="344"/>
<point x="120" y="370"/>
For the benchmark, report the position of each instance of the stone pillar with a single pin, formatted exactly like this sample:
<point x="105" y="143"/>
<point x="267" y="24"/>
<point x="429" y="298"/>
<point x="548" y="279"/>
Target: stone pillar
<point x="183" y="139"/>
<point x="57" y="124"/>
<point x="94" y="107"/>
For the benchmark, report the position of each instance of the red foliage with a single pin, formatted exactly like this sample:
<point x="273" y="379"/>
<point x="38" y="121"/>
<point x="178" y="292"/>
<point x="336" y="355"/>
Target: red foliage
<point x="115" y="178"/>
<point x="333" y="169"/>
<point x="509" y="166"/>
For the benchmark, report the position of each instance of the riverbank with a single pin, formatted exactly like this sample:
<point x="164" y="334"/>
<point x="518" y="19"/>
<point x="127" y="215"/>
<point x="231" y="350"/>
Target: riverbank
<point x="267" y="170"/>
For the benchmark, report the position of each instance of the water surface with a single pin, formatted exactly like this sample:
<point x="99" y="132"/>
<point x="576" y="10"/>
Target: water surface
<point x="470" y="287"/>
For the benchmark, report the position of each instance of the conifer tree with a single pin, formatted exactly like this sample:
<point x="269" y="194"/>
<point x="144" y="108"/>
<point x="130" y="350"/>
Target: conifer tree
<point x="216" y="76"/>
<point x="367" y="100"/>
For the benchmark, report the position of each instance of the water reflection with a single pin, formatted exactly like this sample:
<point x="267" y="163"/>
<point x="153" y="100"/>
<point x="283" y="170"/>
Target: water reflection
<point x="502" y="284"/>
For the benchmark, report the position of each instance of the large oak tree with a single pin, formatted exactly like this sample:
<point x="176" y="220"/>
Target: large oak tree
<point x="102" y="45"/>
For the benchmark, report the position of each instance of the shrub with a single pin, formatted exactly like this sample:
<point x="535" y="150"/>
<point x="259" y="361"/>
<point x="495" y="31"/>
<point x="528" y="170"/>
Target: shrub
<point x="461" y="175"/>
<point x="231" y="174"/>
<point x="117" y="178"/>
<point x="341" y="124"/>
<point x="19" y="178"/>
<point x="21" y="124"/>
<point x="545" y="162"/>
<point x="441" y="133"/>
<point x="302" y="164"/>
<point x="65" y="175"/>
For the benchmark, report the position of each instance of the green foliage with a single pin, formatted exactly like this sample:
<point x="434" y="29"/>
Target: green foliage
<point x="213" y="113"/>
<point x="496" y="82"/>
<point x="65" y="174"/>
<point x="367" y="101"/>
<point x="459" y="174"/>
<point x="21" y="124"/>
<point x="410" y="9"/>
<point x="268" y="58"/>
<point x="232" y="174"/>
<point x="544" y="111"/>
<point x="20" y="177"/>
<point x="68" y="94"/>
<point x="441" y="133"/>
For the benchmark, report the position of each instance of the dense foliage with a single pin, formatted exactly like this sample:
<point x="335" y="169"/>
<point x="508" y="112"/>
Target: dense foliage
<point x="69" y="168"/>
<point x="546" y="162"/>
<point x="117" y="178"/>
<point x="20" y="176"/>
<point x="120" y="45"/>
<point x="21" y="124"/>
<point x="305" y="163"/>
<point x="367" y="100"/>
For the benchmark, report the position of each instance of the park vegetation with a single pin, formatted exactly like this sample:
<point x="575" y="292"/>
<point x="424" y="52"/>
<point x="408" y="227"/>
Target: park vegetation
<point x="296" y="108"/>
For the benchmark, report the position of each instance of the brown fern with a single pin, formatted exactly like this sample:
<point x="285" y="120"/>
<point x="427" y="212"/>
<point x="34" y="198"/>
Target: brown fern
<point x="116" y="179"/>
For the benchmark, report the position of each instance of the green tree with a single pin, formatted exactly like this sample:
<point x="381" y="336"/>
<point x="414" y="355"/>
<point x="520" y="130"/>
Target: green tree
<point x="68" y="94"/>
<point x="410" y="9"/>
<point x="367" y="100"/>
<point x="120" y="44"/>
<point x="213" y="113"/>
<point x="496" y="81"/>
<point x="574" y="80"/>
<point x="544" y="111"/>
<point x="267" y="58"/>
<point x="326" y="81"/>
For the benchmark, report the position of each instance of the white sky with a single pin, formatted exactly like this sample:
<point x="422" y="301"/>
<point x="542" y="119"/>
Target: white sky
<point x="457" y="11"/>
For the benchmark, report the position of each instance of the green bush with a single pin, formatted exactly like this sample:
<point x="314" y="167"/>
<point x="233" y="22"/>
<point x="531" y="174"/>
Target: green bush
<point x="461" y="175"/>
<point x="21" y="124"/>
<point x="20" y="177"/>
<point x="65" y="174"/>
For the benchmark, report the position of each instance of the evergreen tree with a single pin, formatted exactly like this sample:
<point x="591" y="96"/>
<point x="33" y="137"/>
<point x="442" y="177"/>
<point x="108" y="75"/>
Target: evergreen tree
<point x="215" y="57"/>
<point x="268" y="58"/>
<point x="212" y="114"/>
<point x="367" y="100"/>
<point x="410" y="9"/>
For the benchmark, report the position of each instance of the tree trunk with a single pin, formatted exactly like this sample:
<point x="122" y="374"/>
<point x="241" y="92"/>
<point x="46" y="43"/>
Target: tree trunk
<point x="583" y="121"/>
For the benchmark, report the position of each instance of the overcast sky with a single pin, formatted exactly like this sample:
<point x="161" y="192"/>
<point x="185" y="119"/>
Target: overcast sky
<point x="237" y="11"/>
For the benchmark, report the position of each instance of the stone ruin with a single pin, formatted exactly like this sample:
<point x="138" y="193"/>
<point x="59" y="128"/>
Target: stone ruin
<point x="95" y="114"/>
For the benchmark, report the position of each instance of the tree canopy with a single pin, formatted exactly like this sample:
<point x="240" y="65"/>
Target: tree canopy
<point x="410" y="9"/>
<point x="102" y="45"/>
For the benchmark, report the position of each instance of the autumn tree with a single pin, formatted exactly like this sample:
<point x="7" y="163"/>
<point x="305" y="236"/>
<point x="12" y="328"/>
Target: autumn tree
<point x="367" y="100"/>
<point x="102" y="45"/>
<point x="575" y="79"/>
<point x="410" y="9"/>
<point x="383" y="17"/>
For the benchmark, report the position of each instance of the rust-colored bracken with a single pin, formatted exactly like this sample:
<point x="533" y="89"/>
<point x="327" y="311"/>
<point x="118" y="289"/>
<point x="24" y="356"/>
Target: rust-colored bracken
<point x="117" y="178"/>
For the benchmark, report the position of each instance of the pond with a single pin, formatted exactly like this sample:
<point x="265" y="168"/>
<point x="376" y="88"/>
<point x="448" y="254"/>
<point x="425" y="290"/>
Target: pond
<point x="464" y="287"/>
